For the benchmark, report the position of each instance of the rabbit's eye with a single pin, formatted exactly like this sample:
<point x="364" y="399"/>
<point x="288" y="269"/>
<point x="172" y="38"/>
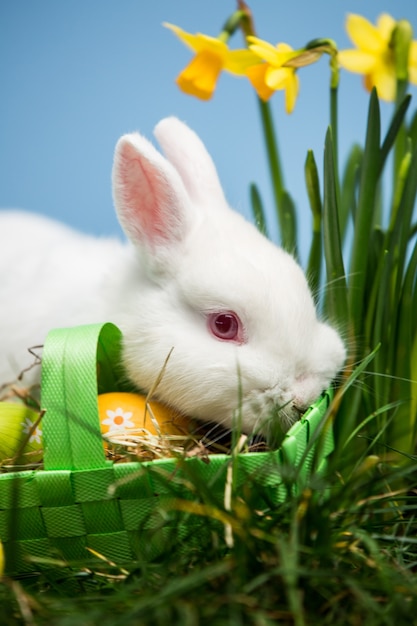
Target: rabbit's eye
<point x="226" y="326"/>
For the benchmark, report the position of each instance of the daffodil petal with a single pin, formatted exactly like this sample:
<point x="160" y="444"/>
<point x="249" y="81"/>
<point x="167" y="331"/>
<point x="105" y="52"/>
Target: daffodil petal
<point x="274" y="55"/>
<point x="198" y="42"/>
<point x="412" y="75"/>
<point x="213" y="44"/>
<point x="356" y="61"/>
<point x="385" y="83"/>
<point x="199" y="78"/>
<point x="363" y="34"/>
<point x="385" y="25"/>
<point x="287" y="57"/>
<point x="412" y="63"/>
<point x="262" y="49"/>
<point x="187" y="38"/>
<point x="256" y="76"/>
<point x="413" y="53"/>
<point x="291" y="93"/>
<point x="237" y="61"/>
<point x="276" y="78"/>
<point x="285" y="47"/>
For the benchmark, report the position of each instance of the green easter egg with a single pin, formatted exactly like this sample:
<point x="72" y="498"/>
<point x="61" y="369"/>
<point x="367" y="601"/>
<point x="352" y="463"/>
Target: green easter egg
<point x="16" y="422"/>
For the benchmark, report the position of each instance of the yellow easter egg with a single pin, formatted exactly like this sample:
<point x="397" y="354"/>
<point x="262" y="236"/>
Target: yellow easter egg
<point x="121" y="412"/>
<point x="20" y="438"/>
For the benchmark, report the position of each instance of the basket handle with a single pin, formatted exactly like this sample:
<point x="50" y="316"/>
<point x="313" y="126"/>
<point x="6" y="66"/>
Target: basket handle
<point x="77" y="364"/>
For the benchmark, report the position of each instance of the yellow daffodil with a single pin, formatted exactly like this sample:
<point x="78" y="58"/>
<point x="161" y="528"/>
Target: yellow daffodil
<point x="279" y="69"/>
<point x="374" y="54"/>
<point x="412" y="68"/>
<point x="212" y="55"/>
<point x="257" y="76"/>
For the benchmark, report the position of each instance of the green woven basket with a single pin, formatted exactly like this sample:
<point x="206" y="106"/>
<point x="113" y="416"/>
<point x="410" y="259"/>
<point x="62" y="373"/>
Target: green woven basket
<point x="81" y="500"/>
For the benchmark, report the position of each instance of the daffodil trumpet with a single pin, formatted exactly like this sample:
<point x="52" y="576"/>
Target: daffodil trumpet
<point x="211" y="57"/>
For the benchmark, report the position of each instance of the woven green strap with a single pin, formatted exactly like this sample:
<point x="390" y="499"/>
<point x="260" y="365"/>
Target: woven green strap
<point x="77" y="363"/>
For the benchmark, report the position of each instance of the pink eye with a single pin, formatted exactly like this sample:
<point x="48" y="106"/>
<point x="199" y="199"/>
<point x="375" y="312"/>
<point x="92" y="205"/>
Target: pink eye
<point x="226" y="326"/>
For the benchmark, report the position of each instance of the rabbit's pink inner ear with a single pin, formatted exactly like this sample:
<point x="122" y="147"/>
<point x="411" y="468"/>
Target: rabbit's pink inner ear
<point x="145" y="198"/>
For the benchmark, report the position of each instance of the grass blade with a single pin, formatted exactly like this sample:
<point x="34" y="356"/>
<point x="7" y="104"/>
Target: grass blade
<point x="258" y="211"/>
<point x="402" y="433"/>
<point x="349" y="186"/>
<point x="290" y="219"/>
<point x="336" y="294"/>
<point x="394" y="128"/>
<point x="314" y="263"/>
<point x="364" y="218"/>
<point x="412" y="132"/>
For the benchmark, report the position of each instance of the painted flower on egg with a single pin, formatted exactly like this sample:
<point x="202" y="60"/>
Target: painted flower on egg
<point x="118" y="419"/>
<point x="27" y="426"/>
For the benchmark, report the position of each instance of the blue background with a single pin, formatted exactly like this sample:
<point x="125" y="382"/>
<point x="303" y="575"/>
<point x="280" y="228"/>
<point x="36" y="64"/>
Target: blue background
<point x="74" y="76"/>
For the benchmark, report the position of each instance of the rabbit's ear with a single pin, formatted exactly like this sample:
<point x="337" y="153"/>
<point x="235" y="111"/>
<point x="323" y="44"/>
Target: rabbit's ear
<point x="150" y="198"/>
<point x="187" y="153"/>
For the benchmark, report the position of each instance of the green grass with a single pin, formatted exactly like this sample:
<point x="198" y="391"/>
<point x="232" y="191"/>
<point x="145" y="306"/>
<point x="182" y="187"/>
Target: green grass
<point x="344" y="551"/>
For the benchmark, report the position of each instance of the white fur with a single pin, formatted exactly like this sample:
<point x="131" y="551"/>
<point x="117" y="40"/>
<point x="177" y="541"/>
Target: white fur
<point x="189" y="255"/>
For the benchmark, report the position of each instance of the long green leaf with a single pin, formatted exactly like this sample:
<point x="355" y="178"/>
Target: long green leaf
<point x="397" y="245"/>
<point x="348" y="188"/>
<point x="275" y="170"/>
<point x="394" y="128"/>
<point x="402" y="432"/>
<point x="406" y="209"/>
<point x="290" y="220"/>
<point x="258" y="211"/>
<point x="364" y="218"/>
<point x="413" y="407"/>
<point x="314" y="263"/>
<point x="381" y="328"/>
<point x="336" y="294"/>
<point x="412" y="131"/>
<point x="349" y="413"/>
<point x="313" y="189"/>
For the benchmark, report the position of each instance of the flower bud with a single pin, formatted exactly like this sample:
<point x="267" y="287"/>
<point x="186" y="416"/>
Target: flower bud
<point x="401" y="38"/>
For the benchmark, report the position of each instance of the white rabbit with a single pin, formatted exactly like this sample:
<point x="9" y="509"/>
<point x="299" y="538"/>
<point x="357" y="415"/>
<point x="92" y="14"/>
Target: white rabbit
<point x="195" y="277"/>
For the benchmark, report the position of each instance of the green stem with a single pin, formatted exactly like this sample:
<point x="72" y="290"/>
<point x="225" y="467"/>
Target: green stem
<point x="401" y="139"/>
<point x="334" y="126"/>
<point x="335" y="136"/>
<point x="275" y="168"/>
<point x="232" y="24"/>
